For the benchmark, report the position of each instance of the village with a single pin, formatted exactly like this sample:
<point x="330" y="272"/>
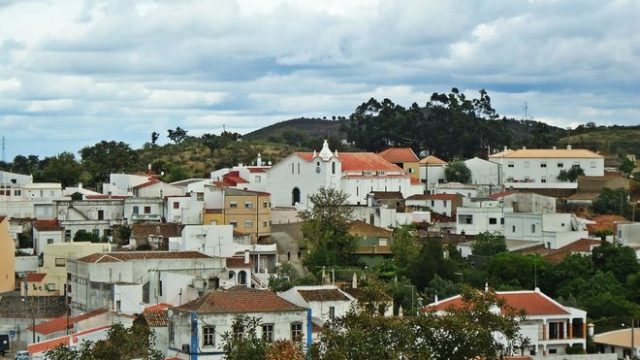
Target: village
<point x="185" y="258"/>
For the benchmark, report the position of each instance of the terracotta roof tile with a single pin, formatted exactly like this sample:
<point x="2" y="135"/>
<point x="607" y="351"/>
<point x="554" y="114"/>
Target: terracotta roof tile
<point x="167" y="230"/>
<point x="123" y="256"/>
<point x="147" y="184"/>
<point x="387" y="195"/>
<point x="106" y="197"/>
<point x="581" y="246"/>
<point x="35" y="277"/>
<point x="238" y="262"/>
<point x="432" y="160"/>
<point x="359" y="161"/>
<point x="361" y="228"/>
<point x="323" y="295"/>
<point x="531" y="302"/>
<point x="606" y="222"/>
<point x="548" y="153"/>
<point x="501" y="194"/>
<point x="157" y="315"/>
<point x="415" y="181"/>
<point x="47" y="225"/>
<point x="62" y="323"/>
<point x="399" y="155"/>
<point x="47" y="345"/>
<point x="239" y="300"/>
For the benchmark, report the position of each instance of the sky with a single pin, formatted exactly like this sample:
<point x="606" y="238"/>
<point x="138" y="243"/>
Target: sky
<point x="73" y="73"/>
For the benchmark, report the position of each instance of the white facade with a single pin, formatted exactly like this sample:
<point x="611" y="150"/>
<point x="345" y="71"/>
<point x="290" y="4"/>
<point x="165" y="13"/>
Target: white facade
<point x="478" y="216"/>
<point x="483" y="172"/>
<point x="138" y="209"/>
<point x="539" y="168"/>
<point x="432" y="175"/>
<point x="157" y="189"/>
<point x="552" y="230"/>
<point x="530" y="203"/>
<point x="628" y="234"/>
<point x="337" y="305"/>
<point x="46" y="237"/>
<point x="184" y="209"/>
<point x="466" y="190"/>
<point x="123" y="184"/>
<point x="295" y="178"/>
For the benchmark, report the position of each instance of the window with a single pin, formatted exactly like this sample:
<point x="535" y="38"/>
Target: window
<point x="293" y="168"/>
<point x="333" y="167"/>
<point x="593" y="165"/>
<point x="100" y="214"/>
<point x="332" y="312"/>
<point x="493" y="221"/>
<point x="560" y="165"/>
<point x="513" y="229"/>
<point x="543" y="180"/>
<point x="444" y="203"/>
<point x="296" y="331"/>
<point x="264" y="204"/>
<point x="248" y="205"/>
<point x="172" y="333"/>
<point x="67" y="235"/>
<point x="136" y="210"/>
<point x="234" y="224"/>
<point x="200" y="196"/>
<point x="238" y="332"/>
<point x="533" y="228"/>
<point x="248" y="224"/>
<point x="96" y="232"/>
<point x="465" y="219"/>
<point x="298" y="168"/>
<point x="526" y="164"/>
<point x="543" y="164"/>
<point x="267" y="332"/>
<point x="176" y="205"/>
<point x="501" y="221"/>
<point x="49" y="241"/>
<point x="208" y="335"/>
<point x="258" y="178"/>
<point x="264" y="224"/>
<point x="147" y="209"/>
<point x="233" y="205"/>
<point x="433" y="203"/>
<point x="510" y="164"/>
<point x="17" y="192"/>
<point x="60" y="262"/>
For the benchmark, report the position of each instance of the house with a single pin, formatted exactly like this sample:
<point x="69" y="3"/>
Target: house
<point x="628" y="233"/>
<point x="484" y="172"/>
<point x="155" y="235"/>
<point x="249" y="212"/>
<point x="404" y="158"/>
<point x="387" y="199"/>
<point x="123" y="184"/>
<point x="432" y="171"/>
<point x="184" y="209"/>
<point x="294" y="179"/>
<point x="527" y="202"/>
<point x="539" y="168"/>
<point x="46" y="232"/>
<point x="156" y="318"/>
<point x="137" y="209"/>
<point x="75" y="340"/>
<point x="94" y="215"/>
<point x="549" y="326"/>
<point x="196" y="328"/>
<point x="37" y="284"/>
<point x="327" y="302"/>
<point x="552" y="230"/>
<point x="156" y="189"/>
<point x="480" y="215"/>
<point x="128" y="281"/>
<point x="42" y="196"/>
<point x="247" y="177"/>
<point x="443" y="204"/>
<point x="62" y="325"/>
<point x="624" y="343"/>
<point x="466" y="190"/>
<point x="373" y="244"/>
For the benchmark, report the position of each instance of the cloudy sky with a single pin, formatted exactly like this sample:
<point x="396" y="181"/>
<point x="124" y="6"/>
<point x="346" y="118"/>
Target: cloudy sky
<point x="75" y="72"/>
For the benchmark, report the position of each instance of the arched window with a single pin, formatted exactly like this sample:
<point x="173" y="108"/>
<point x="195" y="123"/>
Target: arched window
<point x="295" y="196"/>
<point x="242" y="277"/>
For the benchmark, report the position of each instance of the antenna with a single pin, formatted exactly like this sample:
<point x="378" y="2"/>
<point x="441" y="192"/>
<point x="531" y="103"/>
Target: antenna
<point x="535" y="275"/>
<point x="525" y="107"/>
<point x="4" y="154"/>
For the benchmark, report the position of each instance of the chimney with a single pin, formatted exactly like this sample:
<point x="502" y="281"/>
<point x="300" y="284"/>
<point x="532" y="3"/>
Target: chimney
<point x="354" y="281"/>
<point x="506" y="148"/>
<point x="591" y="329"/>
<point x="259" y="160"/>
<point x="568" y="147"/>
<point x="554" y="147"/>
<point x="486" y="287"/>
<point x="524" y="147"/>
<point x="246" y="257"/>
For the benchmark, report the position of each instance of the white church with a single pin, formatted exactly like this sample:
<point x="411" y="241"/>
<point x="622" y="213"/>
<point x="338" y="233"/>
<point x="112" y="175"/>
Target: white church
<point x="299" y="175"/>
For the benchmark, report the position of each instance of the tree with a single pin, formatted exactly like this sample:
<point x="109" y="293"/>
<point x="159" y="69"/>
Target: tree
<point x="178" y="135"/>
<point x="154" y="137"/>
<point x="62" y="168"/>
<point x="429" y="263"/>
<point x="107" y="157"/>
<point x="457" y="171"/>
<point x="284" y="350"/>
<point x="571" y="175"/>
<point x="213" y="142"/>
<point x="611" y="202"/>
<point x="83" y="235"/>
<point x="627" y="165"/>
<point x="488" y="244"/>
<point x="326" y="229"/>
<point x="404" y="248"/>
<point x="122" y="343"/>
<point x="243" y="343"/>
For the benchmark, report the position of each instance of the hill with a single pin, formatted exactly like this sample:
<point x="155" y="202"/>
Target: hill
<point x="305" y="127"/>
<point x="612" y="140"/>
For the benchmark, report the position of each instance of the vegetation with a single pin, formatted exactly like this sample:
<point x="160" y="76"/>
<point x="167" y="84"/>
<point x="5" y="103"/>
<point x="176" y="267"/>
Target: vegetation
<point x="121" y="343"/>
<point x="487" y="244"/>
<point x="245" y="344"/>
<point x="571" y="175"/>
<point x="611" y="202"/>
<point x="457" y="171"/>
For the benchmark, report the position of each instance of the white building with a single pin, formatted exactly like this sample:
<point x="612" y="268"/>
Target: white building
<point x="549" y="325"/>
<point x="249" y="177"/>
<point x="46" y="232"/>
<point x="539" y="168"/>
<point x="484" y="172"/>
<point x="552" y="230"/>
<point x="481" y="215"/>
<point x="527" y="202"/>
<point x="432" y="171"/>
<point x="128" y="281"/>
<point x="123" y="184"/>
<point x="628" y="234"/>
<point x="443" y="204"/>
<point x="466" y="190"/>
<point x="92" y="216"/>
<point x="137" y="209"/>
<point x="326" y="302"/>
<point x="196" y="328"/>
<point x="295" y="178"/>
<point x="184" y="209"/>
<point x="156" y="189"/>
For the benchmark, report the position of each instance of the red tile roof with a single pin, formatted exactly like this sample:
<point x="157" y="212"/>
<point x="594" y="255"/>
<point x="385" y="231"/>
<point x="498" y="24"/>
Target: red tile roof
<point x="146" y="184"/>
<point x="359" y="161"/>
<point x="47" y="345"/>
<point x="35" y="277"/>
<point x="239" y="300"/>
<point x="606" y="222"/>
<point x="501" y="194"/>
<point x="156" y="315"/>
<point x="141" y="255"/>
<point x="533" y="303"/>
<point x="253" y="169"/>
<point x="323" y="295"/>
<point x="361" y="228"/>
<point x="106" y="197"/>
<point x="415" y="181"/>
<point x="399" y="155"/>
<point x="580" y="246"/>
<point x="47" y="225"/>
<point x="238" y="262"/>
<point x="62" y="323"/>
<point x="450" y="197"/>
<point x="432" y="160"/>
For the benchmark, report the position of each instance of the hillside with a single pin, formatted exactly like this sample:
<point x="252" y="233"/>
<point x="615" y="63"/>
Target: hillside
<point x="608" y="140"/>
<point x="304" y="127"/>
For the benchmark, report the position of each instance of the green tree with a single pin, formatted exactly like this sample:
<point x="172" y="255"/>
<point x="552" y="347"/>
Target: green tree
<point x="405" y="247"/>
<point x="429" y="263"/>
<point x="326" y="230"/>
<point x="457" y="171"/>
<point x="611" y="202"/>
<point x="83" y="235"/>
<point x="122" y="343"/>
<point x="488" y="244"/>
<point x="627" y="165"/>
<point x="107" y="157"/>
<point x="178" y="135"/>
<point x="571" y="175"/>
<point x="243" y="342"/>
<point x="62" y="168"/>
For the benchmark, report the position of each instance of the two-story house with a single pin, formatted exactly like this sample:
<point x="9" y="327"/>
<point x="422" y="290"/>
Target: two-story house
<point x="405" y="158"/>
<point x="196" y="328"/>
<point x="249" y="212"/>
<point x="432" y="171"/>
<point x="327" y="302"/>
<point x="548" y="325"/>
<point x="480" y="215"/>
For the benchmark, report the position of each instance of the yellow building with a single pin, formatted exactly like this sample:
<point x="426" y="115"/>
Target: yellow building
<point x="248" y="211"/>
<point x="7" y="257"/>
<point x="404" y="158"/>
<point x="54" y="264"/>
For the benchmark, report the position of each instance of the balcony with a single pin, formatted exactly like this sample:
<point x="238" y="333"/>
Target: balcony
<point x="146" y="217"/>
